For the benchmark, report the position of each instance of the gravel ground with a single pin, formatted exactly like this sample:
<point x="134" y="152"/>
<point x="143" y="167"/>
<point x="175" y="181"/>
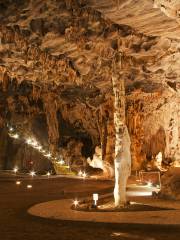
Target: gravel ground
<point x="16" y="224"/>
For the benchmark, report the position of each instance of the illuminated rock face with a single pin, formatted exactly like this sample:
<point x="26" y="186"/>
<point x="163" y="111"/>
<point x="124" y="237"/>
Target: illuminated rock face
<point x="56" y="70"/>
<point x="171" y="184"/>
<point x="170" y="7"/>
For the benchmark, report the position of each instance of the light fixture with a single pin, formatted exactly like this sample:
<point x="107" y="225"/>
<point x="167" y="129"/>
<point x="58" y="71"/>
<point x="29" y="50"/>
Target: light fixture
<point x="29" y="186"/>
<point x="32" y="173"/>
<point x="18" y="182"/>
<point x="84" y="175"/>
<point x="48" y="155"/>
<point x="29" y="141"/>
<point x="95" y="198"/>
<point x="75" y="203"/>
<point x="61" y="162"/>
<point x="15" y="170"/>
<point x="48" y="174"/>
<point x="149" y="184"/>
<point x="34" y="143"/>
<point x="39" y="147"/>
<point x="16" y="136"/>
<point x="80" y="173"/>
<point x="11" y="129"/>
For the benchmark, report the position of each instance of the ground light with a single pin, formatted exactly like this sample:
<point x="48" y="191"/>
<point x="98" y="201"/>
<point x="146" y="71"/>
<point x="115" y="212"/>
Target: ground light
<point x="16" y="136"/>
<point x="80" y="173"/>
<point x="11" y="129"/>
<point x="84" y="175"/>
<point x="95" y="198"/>
<point x="39" y="147"/>
<point x="32" y="173"/>
<point x="48" y="174"/>
<point x="18" y="182"/>
<point x="29" y="141"/>
<point x="75" y="203"/>
<point x="15" y="170"/>
<point x="29" y="186"/>
<point x="61" y="162"/>
<point x="149" y="184"/>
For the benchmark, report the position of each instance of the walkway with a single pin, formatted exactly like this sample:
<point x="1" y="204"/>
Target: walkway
<point x="61" y="209"/>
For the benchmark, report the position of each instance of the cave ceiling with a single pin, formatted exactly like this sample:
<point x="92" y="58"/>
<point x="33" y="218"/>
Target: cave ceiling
<point x="49" y="42"/>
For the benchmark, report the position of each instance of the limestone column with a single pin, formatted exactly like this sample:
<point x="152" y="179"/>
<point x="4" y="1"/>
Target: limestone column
<point x="122" y="161"/>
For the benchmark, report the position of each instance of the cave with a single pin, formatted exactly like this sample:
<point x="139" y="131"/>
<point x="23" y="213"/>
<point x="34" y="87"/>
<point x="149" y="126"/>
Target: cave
<point x="91" y="87"/>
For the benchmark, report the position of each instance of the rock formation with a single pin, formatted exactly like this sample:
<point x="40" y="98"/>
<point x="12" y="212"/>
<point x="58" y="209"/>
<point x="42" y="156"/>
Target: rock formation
<point x="171" y="184"/>
<point x="122" y="160"/>
<point x="56" y="65"/>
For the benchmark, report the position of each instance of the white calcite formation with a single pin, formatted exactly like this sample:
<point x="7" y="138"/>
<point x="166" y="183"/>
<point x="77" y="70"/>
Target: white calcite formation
<point x="97" y="162"/>
<point x="122" y="160"/>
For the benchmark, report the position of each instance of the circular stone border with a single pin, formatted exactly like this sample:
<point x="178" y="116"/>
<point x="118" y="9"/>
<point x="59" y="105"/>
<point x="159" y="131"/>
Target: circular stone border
<point x="61" y="210"/>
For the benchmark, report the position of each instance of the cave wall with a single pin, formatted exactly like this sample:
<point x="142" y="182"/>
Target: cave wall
<point x="153" y="122"/>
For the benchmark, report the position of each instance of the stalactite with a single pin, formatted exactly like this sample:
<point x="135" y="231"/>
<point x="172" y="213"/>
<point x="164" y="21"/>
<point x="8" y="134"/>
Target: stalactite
<point x="50" y="107"/>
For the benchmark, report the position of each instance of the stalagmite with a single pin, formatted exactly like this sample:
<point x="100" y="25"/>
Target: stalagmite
<point x="122" y="161"/>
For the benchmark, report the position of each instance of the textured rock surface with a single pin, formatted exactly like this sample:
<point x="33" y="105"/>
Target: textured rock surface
<point x="56" y="76"/>
<point x="171" y="184"/>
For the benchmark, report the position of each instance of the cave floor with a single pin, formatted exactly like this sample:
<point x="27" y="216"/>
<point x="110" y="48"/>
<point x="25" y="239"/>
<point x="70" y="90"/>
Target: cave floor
<point x="16" y="223"/>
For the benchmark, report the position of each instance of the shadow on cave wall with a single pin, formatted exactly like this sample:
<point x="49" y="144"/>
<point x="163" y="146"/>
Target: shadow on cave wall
<point x="68" y="132"/>
<point x="39" y="129"/>
<point x="156" y="144"/>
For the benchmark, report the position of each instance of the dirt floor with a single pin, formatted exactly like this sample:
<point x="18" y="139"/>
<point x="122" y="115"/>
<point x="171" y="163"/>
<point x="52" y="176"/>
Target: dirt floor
<point x="16" y="224"/>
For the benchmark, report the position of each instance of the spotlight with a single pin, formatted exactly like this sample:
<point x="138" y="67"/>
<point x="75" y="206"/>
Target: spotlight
<point x="15" y="170"/>
<point x="75" y="203"/>
<point x="61" y="162"/>
<point x="48" y="174"/>
<point x="84" y="175"/>
<point x="149" y="184"/>
<point x="29" y="141"/>
<point x="95" y="198"/>
<point x="39" y="148"/>
<point x="29" y="186"/>
<point x="11" y="129"/>
<point x="48" y="155"/>
<point x="32" y="173"/>
<point x="16" y="136"/>
<point x="18" y="182"/>
<point x="34" y="143"/>
<point x="80" y="173"/>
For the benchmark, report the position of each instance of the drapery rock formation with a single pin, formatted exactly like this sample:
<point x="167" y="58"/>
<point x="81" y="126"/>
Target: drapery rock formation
<point x="56" y="61"/>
